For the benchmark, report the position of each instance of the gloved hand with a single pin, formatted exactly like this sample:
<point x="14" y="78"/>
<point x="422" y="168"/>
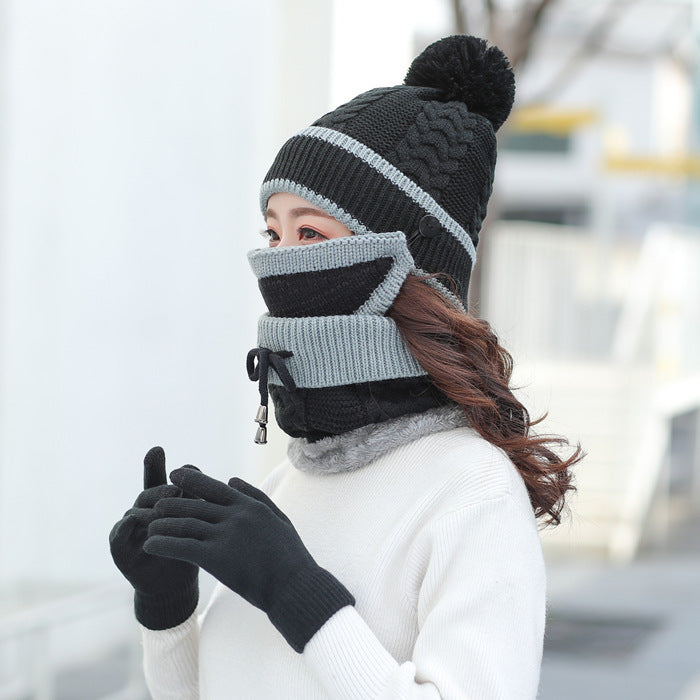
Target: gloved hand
<point x="166" y="591"/>
<point x="245" y="541"/>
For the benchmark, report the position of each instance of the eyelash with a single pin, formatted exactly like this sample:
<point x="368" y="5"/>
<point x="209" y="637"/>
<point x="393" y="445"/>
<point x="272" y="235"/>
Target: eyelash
<point x="270" y="235"/>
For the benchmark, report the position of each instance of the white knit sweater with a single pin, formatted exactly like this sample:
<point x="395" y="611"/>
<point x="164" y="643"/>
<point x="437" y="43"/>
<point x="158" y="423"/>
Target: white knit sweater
<point x="437" y="542"/>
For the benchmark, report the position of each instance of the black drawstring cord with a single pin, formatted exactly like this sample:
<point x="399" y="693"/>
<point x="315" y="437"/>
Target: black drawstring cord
<point x="258" y="373"/>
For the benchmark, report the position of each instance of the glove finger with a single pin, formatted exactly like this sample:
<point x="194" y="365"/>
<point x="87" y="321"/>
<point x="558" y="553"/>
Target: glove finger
<point x="181" y="528"/>
<point x="189" y="466"/>
<point x="141" y="516"/>
<point x="250" y="490"/>
<point x="149" y="497"/>
<point x="122" y="530"/>
<point x="154" y="468"/>
<point x="185" y="549"/>
<point x="188" y="508"/>
<point x="203" y="486"/>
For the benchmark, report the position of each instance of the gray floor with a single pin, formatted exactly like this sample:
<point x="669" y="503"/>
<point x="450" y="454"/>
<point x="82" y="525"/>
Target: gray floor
<point x="617" y="632"/>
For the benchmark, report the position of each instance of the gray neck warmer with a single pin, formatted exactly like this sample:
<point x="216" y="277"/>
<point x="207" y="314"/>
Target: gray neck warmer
<point x="357" y="448"/>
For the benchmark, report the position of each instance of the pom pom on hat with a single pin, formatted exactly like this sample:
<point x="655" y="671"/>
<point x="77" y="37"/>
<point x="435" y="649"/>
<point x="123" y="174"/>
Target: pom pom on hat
<point x="467" y="70"/>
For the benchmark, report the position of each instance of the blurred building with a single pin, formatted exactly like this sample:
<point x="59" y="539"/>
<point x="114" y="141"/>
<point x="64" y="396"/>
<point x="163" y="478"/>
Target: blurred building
<point x="604" y="127"/>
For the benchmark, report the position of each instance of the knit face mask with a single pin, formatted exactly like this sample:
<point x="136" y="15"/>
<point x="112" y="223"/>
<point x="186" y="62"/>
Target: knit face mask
<point x="330" y="357"/>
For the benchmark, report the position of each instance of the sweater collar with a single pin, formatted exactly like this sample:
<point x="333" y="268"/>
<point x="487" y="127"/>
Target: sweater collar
<point x="358" y="448"/>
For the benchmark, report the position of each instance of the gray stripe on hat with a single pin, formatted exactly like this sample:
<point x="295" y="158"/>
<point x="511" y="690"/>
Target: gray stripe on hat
<point x="342" y="252"/>
<point x="338" y="350"/>
<point x="330" y="207"/>
<point x="440" y="287"/>
<point x="394" y="175"/>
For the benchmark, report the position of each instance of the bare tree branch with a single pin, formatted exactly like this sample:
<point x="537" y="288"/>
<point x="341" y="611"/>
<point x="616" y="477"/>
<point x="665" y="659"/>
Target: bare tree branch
<point x="529" y="22"/>
<point x="591" y="44"/>
<point x="460" y="20"/>
<point x="678" y="30"/>
<point x="491" y="25"/>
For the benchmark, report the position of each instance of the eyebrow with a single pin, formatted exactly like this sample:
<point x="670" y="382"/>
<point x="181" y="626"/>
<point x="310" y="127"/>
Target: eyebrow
<point x="299" y="211"/>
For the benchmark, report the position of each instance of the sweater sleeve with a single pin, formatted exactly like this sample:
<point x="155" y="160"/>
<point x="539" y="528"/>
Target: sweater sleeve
<point x="476" y="582"/>
<point x="170" y="661"/>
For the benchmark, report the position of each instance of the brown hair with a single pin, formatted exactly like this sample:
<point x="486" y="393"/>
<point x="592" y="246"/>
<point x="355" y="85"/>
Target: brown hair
<point x="464" y="359"/>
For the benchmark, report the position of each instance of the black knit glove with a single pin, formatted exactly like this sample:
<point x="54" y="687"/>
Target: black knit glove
<point x="166" y="591"/>
<point x="240" y="537"/>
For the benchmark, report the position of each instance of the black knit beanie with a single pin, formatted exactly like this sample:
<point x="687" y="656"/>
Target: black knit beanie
<point x="409" y="170"/>
<point x="417" y="157"/>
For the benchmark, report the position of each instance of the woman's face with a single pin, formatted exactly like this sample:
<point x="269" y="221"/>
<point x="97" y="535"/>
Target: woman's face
<point x="291" y="220"/>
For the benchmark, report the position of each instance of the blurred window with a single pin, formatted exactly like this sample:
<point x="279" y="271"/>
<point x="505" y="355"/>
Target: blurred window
<point x="565" y="215"/>
<point x="538" y="142"/>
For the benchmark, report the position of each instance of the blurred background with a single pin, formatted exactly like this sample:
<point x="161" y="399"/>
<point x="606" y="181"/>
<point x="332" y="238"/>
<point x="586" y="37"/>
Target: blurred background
<point x="133" y="137"/>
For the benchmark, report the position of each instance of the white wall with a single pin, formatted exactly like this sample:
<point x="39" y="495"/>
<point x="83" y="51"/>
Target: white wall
<point x="133" y="137"/>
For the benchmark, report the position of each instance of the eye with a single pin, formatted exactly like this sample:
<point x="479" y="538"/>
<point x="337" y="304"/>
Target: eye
<point x="308" y="234"/>
<point x="269" y="235"/>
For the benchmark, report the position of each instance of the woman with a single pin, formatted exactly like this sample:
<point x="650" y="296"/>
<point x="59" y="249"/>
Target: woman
<point x="395" y="552"/>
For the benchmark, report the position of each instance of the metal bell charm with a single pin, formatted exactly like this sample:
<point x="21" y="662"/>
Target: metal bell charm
<point x="261" y="435"/>
<point x="261" y="420"/>
<point x="261" y="416"/>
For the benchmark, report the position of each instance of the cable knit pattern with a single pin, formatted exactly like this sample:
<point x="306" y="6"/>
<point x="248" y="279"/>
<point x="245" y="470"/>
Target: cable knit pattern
<point x="350" y="110"/>
<point x="435" y="146"/>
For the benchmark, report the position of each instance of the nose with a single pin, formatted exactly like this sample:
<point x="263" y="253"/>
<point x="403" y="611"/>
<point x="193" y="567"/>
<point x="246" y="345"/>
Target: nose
<point x="286" y="239"/>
